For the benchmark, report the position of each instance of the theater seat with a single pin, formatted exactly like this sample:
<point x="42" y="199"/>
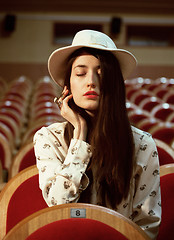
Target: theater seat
<point x="160" y="91"/>
<point x="166" y="230"/>
<point x="136" y="116"/>
<point x="24" y="158"/>
<point x="162" y="111"/>
<point x="170" y="118"/>
<point x="149" y="103"/>
<point x="165" y="152"/>
<point x="2" y="181"/>
<point x="140" y="95"/>
<point x="163" y="132"/>
<point x="5" y="153"/>
<point x="147" y="123"/>
<point x="20" y="198"/>
<point x="169" y="97"/>
<point x="76" y="221"/>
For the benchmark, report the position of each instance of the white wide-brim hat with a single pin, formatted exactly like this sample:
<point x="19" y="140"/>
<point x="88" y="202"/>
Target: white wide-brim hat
<point x="93" y="39"/>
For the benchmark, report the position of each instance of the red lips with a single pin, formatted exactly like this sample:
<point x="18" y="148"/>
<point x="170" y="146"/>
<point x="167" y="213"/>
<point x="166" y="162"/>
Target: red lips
<point x="90" y="93"/>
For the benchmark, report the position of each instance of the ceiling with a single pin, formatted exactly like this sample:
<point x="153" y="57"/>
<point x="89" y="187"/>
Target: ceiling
<point x="90" y="6"/>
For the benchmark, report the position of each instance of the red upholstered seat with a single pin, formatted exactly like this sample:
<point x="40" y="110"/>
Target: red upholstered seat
<point x="76" y="221"/>
<point x="11" y="124"/>
<point x="11" y="113"/>
<point x="162" y="111"/>
<point x="14" y="106"/>
<point x="169" y="97"/>
<point x="26" y="200"/>
<point x="165" y="152"/>
<point x="160" y="91"/>
<point x="2" y="155"/>
<point x="5" y="152"/>
<point x="41" y="99"/>
<point x="44" y="105"/>
<point x="6" y="132"/>
<point x="20" y="197"/>
<point x="131" y="90"/>
<point x="23" y="159"/>
<point x="147" y="123"/>
<point x="170" y="118"/>
<point x="152" y="86"/>
<point x="140" y="95"/>
<point x="131" y="106"/>
<point x="166" y="230"/>
<point x="163" y="132"/>
<point x="164" y="156"/>
<point x="28" y="160"/>
<point x="149" y="103"/>
<point x="46" y="112"/>
<point x="136" y="116"/>
<point x="15" y="98"/>
<point x="76" y="229"/>
<point x="15" y="92"/>
<point x="2" y="178"/>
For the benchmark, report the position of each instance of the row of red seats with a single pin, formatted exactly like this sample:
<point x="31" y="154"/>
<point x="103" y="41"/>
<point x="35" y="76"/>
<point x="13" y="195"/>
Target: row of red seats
<point x="148" y="110"/>
<point x="28" y="107"/>
<point x="145" y="108"/>
<point x="161" y="88"/>
<point x="16" y="199"/>
<point x="13" y="107"/>
<point x="42" y="111"/>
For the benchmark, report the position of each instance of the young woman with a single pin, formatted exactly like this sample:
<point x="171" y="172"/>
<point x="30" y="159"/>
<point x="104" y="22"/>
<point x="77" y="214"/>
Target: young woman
<point x="95" y="156"/>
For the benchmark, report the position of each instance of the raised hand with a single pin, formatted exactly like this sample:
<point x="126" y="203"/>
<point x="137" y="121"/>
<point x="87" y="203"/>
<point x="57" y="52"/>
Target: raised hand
<point x="79" y="123"/>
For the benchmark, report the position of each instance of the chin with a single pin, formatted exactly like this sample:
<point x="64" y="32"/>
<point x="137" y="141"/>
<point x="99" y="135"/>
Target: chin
<point x="91" y="108"/>
<point x="91" y="111"/>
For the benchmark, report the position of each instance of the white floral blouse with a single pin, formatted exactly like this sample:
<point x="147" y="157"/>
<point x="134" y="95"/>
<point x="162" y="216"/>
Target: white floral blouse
<point x="62" y="174"/>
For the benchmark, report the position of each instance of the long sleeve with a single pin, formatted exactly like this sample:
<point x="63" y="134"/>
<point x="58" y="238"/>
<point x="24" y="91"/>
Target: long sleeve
<point x="61" y="169"/>
<point x="147" y="197"/>
<point x="143" y="205"/>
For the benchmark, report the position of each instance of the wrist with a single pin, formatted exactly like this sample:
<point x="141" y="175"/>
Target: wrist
<point x="80" y="133"/>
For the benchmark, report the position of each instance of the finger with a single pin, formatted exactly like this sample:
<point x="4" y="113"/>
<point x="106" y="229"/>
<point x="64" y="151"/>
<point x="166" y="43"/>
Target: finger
<point x="64" y="93"/>
<point x="65" y="88"/>
<point x="67" y="98"/>
<point x="58" y="101"/>
<point x="63" y="99"/>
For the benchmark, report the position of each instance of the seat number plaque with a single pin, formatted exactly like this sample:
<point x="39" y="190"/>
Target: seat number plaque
<point x="78" y="213"/>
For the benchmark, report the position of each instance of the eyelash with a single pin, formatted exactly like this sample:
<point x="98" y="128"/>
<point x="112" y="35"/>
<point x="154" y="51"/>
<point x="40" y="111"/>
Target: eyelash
<point x="80" y="74"/>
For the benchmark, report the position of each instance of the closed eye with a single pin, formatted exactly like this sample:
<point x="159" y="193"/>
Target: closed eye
<point x="80" y="74"/>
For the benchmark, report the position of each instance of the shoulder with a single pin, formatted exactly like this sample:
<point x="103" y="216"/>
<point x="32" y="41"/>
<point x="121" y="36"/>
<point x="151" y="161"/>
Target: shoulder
<point x="145" y="147"/>
<point x="57" y="127"/>
<point x="141" y="137"/>
<point x="51" y="130"/>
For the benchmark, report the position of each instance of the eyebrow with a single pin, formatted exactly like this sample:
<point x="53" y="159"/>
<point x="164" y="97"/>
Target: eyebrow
<point x="80" y="66"/>
<point x="84" y="66"/>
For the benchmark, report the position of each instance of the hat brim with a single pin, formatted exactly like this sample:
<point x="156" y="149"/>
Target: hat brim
<point x="58" y="60"/>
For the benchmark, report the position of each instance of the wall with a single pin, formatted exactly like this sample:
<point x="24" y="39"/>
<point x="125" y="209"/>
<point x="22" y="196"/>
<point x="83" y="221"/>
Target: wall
<point x="26" y="50"/>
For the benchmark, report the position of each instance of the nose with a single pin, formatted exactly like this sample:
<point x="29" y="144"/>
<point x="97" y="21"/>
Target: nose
<point x="92" y="80"/>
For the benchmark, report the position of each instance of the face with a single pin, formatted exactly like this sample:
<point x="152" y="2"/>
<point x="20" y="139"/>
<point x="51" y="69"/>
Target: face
<point x="84" y="82"/>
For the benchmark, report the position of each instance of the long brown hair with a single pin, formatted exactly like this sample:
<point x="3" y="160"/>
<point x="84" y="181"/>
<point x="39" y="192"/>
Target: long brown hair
<point x="111" y="136"/>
